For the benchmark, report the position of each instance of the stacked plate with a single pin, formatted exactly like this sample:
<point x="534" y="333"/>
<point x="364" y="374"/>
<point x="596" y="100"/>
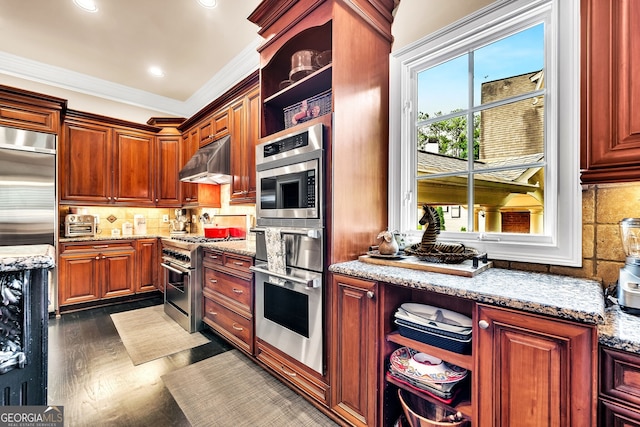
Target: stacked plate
<point x="426" y="373"/>
<point x="435" y="326"/>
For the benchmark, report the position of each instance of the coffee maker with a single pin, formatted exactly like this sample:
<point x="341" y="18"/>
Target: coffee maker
<point x="629" y="281"/>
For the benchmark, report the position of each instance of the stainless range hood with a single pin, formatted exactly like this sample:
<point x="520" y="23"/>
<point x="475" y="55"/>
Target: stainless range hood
<point x="210" y="165"/>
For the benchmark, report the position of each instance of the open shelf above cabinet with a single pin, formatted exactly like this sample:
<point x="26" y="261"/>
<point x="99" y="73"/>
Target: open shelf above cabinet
<point x="311" y="85"/>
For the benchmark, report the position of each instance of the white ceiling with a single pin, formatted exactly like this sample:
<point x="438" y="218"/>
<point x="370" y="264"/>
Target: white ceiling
<point x="203" y="52"/>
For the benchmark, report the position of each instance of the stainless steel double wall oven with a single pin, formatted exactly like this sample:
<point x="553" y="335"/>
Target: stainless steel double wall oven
<point x="289" y="302"/>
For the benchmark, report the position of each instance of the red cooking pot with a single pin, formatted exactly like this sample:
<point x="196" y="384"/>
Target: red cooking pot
<point x="216" y="232"/>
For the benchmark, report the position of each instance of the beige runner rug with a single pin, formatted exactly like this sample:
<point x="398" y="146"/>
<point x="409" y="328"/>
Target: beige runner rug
<point x="148" y="334"/>
<point x="230" y="390"/>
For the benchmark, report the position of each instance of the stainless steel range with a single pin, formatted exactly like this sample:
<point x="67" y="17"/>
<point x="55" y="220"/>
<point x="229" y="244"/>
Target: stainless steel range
<point x="182" y="279"/>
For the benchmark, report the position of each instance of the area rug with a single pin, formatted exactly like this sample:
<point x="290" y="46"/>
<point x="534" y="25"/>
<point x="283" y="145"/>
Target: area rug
<point x="148" y="334"/>
<point x="230" y="390"/>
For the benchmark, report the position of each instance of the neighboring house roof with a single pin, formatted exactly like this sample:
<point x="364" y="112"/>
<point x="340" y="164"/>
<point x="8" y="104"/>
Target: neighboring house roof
<point x="432" y="163"/>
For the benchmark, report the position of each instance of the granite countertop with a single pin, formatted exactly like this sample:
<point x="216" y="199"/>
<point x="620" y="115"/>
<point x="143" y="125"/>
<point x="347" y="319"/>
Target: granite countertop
<point x="240" y="247"/>
<point x="109" y="237"/>
<point x="558" y="296"/>
<point x="620" y="330"/>
<point x="27" y="257"/>
<point x="564" y="297"/>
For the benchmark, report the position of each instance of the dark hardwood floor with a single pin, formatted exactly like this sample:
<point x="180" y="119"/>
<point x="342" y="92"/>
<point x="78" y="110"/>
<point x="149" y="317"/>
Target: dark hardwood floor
<point x="92" y="376"/>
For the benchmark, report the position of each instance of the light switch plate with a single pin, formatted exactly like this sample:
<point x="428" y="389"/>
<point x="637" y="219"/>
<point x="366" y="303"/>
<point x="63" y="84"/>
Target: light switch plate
<point x="165" y="218"/>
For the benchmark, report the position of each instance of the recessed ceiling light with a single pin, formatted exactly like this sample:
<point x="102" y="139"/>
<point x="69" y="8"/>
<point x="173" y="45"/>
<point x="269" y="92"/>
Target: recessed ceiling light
<point x="156" y="71"/>
<point x="88" y="5"/>
<point x="209" y="4"/>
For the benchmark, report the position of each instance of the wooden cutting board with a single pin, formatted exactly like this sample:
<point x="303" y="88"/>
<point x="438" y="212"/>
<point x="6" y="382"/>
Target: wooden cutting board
<point x="464" y="269"/>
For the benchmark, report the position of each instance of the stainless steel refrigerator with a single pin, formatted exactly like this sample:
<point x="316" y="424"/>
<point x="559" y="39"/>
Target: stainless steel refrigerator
<point x="28" y="201"/>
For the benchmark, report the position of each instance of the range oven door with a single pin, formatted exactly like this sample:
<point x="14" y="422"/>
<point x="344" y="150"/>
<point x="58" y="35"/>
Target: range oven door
<point x="176" y="286"/>
<point x="289" y="313"/>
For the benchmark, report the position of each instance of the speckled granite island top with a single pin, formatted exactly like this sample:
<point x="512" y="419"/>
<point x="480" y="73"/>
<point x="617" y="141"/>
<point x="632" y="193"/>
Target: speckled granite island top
<point x="559" y="296"/>
<point x="620" y="330"/>
<point x="26" y="257"/>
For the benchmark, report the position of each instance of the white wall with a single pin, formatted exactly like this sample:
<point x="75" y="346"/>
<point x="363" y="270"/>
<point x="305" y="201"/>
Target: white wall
<point x="415" y="19"/>
<point x="86" y="103"/>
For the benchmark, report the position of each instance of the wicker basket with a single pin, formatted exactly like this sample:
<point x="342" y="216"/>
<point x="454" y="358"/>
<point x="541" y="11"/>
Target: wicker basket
<point x="317" y="105"/>
<point x="440" y="257"/>
<point x="421" y="413"/>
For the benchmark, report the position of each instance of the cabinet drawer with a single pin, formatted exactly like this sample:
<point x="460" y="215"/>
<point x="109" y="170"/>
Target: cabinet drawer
<point x="234" y="288"/>
<point x="620" y="375"/>
<point x="287" y="370"/>
<point x="97" y="246"/>
<point x="238" y="262"/>
<point x="237" y="329"/>
<point x="212" y="258"/>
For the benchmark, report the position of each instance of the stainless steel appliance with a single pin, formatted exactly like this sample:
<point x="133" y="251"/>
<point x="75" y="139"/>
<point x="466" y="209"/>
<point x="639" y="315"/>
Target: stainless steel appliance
<point x="80" y="225"/>
<point x="289" y="172"/>
<point x="629" y="281"/>
<point x="289" y="305"/>
<point x="181" y="263"/>
<point x="211" y="164"/>
<point x="28" y="212"/>
<point x="182" y="279"/>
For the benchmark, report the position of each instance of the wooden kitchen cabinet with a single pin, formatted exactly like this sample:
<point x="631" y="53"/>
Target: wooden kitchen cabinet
<point x="354" y="345"/>
<point x="168" y="144"/>
<point x="236" y="113"/>
<point x="619" y="389"/>
<point x="227" y="288"/>
<point x="610" y="93"/>
<point x="190" y="144"/>
<point x="93" y="271"/>
<point x="245" y="125"/>
<point x="532" y="370"/>
<point x="104" y="162"/>
<point x="29" y="110"/>
<point x="214" y="127"/>
<point x="147" y="264"/>
<point x="134" y="168"/>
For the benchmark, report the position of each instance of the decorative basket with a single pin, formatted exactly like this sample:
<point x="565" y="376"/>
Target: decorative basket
<point x="440" y="257"/>
<point x="316" y="106"/>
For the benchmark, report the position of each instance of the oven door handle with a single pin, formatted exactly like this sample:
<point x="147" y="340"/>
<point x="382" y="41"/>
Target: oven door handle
<point x="309" y="284"/>
<point x="175" y="270"/>
<point x="308" y="232"/>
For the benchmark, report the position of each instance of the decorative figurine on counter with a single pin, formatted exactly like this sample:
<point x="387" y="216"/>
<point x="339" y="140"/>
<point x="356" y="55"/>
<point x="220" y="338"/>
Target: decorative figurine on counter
<point x="388" y="244"/>
<point x="429" y="249"/>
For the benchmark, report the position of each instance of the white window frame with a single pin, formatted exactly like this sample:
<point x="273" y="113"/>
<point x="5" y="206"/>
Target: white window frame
<point x="561" y="243"/>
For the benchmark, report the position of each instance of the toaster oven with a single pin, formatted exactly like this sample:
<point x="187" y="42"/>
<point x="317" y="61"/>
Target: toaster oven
<point x="80" y="225"/>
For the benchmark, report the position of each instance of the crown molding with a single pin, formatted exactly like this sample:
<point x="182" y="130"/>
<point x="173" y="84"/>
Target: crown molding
<point x="246" y="62"/>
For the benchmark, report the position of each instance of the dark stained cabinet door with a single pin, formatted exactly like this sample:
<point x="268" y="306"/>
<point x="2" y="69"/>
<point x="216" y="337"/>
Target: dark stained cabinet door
<point x="85" y="164"/>
<point x="134" y="170"/>
<point x="167" y="180"/>
<point x="245" y="122"/>
<point x="147" y="264"/>
<point x="117" y="272"/>
<point x="191" y="140"/>
<point x="354" y="350"/>
<point x="610" y="91"/>
<point x="533" y="371"/>
<point x="78" y="278"/>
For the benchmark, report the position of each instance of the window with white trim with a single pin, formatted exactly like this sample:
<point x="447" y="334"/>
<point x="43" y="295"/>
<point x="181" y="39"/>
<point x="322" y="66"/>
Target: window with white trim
<point x="485" y="128"/>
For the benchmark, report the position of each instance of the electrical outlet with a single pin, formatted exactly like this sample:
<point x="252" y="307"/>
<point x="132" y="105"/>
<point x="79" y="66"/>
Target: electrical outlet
<point x="165" y="218"/>
<point x="194" y="219"/>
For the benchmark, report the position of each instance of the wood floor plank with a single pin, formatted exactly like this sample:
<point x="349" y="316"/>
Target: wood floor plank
<point x="92" y="376"/>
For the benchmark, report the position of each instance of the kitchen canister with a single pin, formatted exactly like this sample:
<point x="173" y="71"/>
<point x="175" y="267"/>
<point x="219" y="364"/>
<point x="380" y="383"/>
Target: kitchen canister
<point x="127" y="229"/>
<point x="139" y="224"/>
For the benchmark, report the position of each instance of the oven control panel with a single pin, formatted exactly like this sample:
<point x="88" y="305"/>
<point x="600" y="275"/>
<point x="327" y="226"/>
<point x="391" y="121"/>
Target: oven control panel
<point x="176" y="254"/>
